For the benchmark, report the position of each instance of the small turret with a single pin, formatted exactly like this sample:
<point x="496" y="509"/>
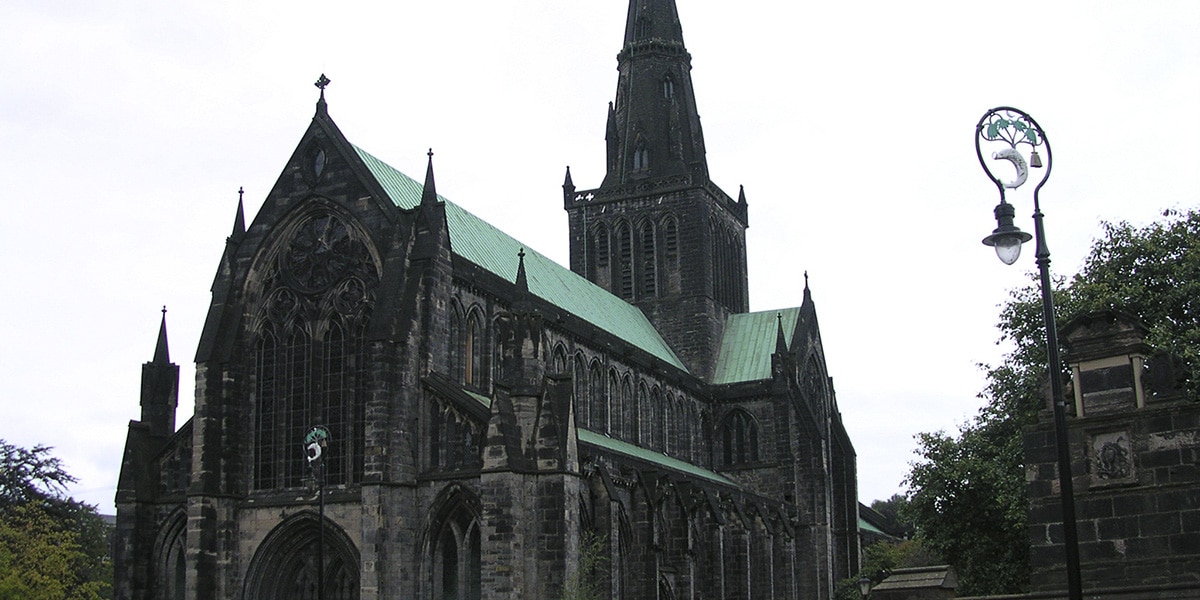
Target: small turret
<point x="160" y="387"/>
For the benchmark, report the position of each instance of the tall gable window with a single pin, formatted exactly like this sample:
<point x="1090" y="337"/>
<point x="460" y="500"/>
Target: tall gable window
<point x="309" y="360"/>
<point x="739" y="438"/>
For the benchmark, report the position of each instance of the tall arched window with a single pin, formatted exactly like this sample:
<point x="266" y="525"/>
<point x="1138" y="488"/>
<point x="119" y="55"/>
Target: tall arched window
<point x="473" y="351"/>
<point x="614" y="401"/>
<point x="657" y="419"/>
<point x="627" y="409"/>
<point x="638" y="414"/>
<point x="602" y="254"/>
<point x="457" y="344"/>
<point x="296" y="417"/>
<point x="267" y="410"/>
<point x="598" y="400"/>
<point x="560" y="359"/>
<point x="739" y="438"/>
<point x="649" y="261"/>
<point x="625" y="260"/>
<point x="580" y="377"/>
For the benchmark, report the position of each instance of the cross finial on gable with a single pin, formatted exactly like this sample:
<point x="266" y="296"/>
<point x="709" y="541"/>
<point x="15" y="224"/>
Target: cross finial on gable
<point x="322" y="82"/>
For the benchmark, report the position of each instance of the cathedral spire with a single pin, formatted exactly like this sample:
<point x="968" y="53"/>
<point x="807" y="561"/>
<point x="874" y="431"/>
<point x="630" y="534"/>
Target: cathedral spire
<point x="654" y="129"/>
<point x="429" y="194"/>
<point x="162" y="355"/>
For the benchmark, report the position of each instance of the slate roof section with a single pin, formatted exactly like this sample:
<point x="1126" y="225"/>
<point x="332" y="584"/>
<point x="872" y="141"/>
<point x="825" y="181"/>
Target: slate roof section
<point x="919" y="578"/>
<point x="674" y="464"/>
<point x="748" y="344"/>
<point x="479" y="242"/>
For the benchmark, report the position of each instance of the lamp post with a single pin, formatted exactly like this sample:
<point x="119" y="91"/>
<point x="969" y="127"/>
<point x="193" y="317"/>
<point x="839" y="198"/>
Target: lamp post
<point x="1009" y="129"/>
<point x="315" y="442"/>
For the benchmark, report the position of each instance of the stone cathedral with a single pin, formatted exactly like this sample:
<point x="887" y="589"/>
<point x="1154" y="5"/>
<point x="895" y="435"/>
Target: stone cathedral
<point x="500" y="426"/>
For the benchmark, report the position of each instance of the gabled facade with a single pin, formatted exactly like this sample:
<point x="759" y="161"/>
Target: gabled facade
<point x="494" y="416"/>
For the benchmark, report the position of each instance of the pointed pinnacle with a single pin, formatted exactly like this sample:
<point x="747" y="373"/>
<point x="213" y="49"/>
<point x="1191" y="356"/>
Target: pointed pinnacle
<point x="162" y="354"/>
<point x="522" y="281"/>
<point x="780" y="340"/>
<point x="239" y="220"/>
<point x="429" y="193"/>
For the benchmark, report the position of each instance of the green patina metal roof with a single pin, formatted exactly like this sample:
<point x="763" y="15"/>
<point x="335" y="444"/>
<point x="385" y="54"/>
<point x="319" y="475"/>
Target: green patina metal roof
<point x="475" y="240"/>
<point x="749" y="342"/>
<point x="863" y="525"/>
<point x="632" y="451"/>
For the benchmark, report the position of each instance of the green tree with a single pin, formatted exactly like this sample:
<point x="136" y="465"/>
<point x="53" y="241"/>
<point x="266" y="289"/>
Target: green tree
<point x="895" y="512"/>
<point x="585" y="583"/>
<point x="967" y="491"/>
<point x="51" y="546"/>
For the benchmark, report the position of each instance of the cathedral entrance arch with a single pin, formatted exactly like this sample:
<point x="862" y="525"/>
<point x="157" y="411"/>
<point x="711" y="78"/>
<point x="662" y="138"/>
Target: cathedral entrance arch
<point x="285" y="565"/>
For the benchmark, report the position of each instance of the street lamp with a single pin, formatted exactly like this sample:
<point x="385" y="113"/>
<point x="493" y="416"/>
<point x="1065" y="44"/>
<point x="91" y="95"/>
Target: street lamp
<point x="315" y="442"/>
<point x="1009" y="129"/>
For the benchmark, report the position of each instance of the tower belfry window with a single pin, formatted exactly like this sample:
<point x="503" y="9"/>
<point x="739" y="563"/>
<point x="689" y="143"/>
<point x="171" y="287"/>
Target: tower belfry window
<point x="668" y="87"/>
<point x="641" y="158"/>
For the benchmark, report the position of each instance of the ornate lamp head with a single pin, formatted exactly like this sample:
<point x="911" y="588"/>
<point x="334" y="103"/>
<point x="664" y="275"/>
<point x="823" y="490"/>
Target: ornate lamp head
<point x="1008" y="133"/>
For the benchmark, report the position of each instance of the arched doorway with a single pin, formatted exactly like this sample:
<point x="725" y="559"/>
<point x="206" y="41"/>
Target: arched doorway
<point x="285" y="565"/>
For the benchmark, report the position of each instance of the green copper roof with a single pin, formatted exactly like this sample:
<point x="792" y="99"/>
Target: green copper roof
<point x="627" y="449"/>
<point x="748" y="344"/>
<point x="475" y="240"/>
<point x="863" y="525"/>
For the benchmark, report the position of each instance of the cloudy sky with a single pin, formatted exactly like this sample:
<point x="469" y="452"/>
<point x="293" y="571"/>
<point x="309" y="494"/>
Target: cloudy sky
<point x="128" y="127"/>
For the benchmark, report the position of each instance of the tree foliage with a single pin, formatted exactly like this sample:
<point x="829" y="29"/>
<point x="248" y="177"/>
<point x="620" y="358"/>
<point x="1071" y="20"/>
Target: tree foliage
<point x="51" y="546"/>
<point x="586" y="582"/>
<point x="896" y="515"/>
<point x="967" y="491"/>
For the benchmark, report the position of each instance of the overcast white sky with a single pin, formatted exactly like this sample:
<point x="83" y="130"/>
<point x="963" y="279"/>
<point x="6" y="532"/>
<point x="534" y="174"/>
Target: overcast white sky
<point x="127" y="128"/>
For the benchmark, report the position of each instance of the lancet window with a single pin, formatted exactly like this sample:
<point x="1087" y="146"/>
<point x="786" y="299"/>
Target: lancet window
<point x="739" y="438"/>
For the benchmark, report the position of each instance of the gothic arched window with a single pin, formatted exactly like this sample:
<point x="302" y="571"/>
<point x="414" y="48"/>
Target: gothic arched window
<point x="649" y="261"/>
<point x="579" y="376"/>
<point x="658" y="420"/>
<point x="309" y="363"/>
<point x="560" y="359"/>
<point x="739" y="438"/>
<point x="641" y="157"/>
<point x="601" y="237"/>
<point x="597" y="399"/>
<point x="473" y="351"/>
<point x="625" y="260"/>
<point x="615" y="404"/>
<point x="456" y="344"/>
<point x="627" y="409"/>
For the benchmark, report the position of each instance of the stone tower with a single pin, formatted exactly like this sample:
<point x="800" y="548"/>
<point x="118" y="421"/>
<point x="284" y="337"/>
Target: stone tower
<point x="658" y="232"/>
